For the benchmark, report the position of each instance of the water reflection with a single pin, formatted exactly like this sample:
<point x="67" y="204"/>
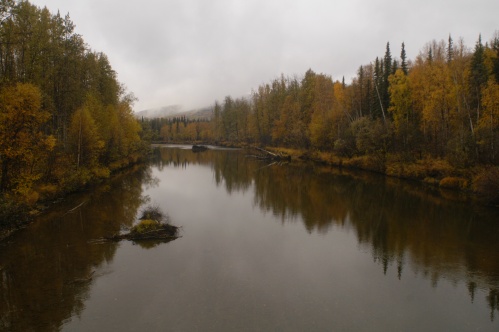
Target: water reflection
<point x="233" y="169"/>
<point x="47" y="270"/>
<point x="406" y="227"/>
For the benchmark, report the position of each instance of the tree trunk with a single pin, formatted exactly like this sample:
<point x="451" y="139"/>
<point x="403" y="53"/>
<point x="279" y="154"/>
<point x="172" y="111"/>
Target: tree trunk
<point x="5" y="175"/>
<point x="79" y="147"/>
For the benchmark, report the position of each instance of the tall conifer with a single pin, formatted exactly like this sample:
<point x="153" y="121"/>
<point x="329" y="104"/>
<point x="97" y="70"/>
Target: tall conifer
<point x="377" y="100"/>
<point x="478" y="73"/>
<point x="450" y="50"/>
<point x="495" y="47"/>
<point x="403" y="58"/>
<point x="387" y="71"/>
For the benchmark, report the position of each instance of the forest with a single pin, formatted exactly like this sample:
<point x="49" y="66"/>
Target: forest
<point x="65" y="120"/>
<point x="434" y="118"/>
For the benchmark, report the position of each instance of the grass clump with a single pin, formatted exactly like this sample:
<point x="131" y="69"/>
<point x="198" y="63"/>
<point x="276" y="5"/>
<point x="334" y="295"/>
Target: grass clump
<point x="145" y="225"/>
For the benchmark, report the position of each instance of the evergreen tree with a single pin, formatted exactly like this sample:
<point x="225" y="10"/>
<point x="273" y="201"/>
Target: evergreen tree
<point x="478" y="73"/>
<point x="362" y="93"/>
<point x="450" y="50"/>
<point x="403" y="59"/>
<point x="395" y="67"/>
<point x="429" y="57"/>
<point x="495" y="47"/>
<point x="376" y="97"/>
<point x="387" y="71"/>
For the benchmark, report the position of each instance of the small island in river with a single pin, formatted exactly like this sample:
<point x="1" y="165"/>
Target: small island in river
<point x="154" y="225"/>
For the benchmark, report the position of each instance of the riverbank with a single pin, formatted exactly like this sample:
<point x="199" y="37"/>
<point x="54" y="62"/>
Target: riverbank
<point x="15" y="215"/>
<point x="479" y="181"/>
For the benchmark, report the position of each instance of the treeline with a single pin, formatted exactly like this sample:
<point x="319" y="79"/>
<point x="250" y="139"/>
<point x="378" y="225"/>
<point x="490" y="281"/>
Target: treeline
<point x="444" y="104"/>
<point x="177" y="129"/>
<point x="438" y="113"/>
<point x="64" y="117"/>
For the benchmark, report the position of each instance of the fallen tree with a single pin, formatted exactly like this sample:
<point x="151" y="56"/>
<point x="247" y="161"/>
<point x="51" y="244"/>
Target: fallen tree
<point x="158" y="231"/>
<point x="199" y="148"/>
<point x="268" y="155"/>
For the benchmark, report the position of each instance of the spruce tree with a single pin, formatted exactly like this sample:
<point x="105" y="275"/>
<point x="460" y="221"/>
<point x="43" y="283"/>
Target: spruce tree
<point x="403" y="58"/>
<point x="362" y="105"/>
<point x="376" y="97"/>
<point x="450" y="50"/>
<point x="395" y="66"/>
<point x="495" y="47"/>
<point x="387" y="71"/>
<point x="478" y="73"/>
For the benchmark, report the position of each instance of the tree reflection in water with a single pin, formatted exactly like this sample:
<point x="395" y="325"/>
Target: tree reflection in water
<point x="404" y="225"/>
<point x="46" y="271"/>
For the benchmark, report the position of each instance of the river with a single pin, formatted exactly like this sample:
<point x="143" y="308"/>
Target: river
<point x="282" y="247"/>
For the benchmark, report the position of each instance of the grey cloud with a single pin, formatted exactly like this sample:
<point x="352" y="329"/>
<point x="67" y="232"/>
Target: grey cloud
<point x="191" y="52"/>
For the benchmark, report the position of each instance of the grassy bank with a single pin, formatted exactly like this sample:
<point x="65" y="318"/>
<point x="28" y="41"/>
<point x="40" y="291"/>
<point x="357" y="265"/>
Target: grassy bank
<point x="481" y="181"/>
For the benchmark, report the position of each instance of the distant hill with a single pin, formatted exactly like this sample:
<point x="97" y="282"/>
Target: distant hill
<point x="174" y="111"/>
<point x="205" y="113"/>
<point x="161" y="112"/>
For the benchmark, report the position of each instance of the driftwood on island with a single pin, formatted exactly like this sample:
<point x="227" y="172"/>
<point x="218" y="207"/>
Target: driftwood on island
<point x="269" y="156"/>
<point x="164" y="232"/>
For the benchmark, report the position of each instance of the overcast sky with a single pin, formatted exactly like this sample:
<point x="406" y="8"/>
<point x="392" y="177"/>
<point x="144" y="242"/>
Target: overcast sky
<point x="193" y="52"/>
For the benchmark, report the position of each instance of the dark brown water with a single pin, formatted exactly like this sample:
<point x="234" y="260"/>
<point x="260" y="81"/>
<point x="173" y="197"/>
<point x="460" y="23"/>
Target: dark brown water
<point x="263" y="248"/>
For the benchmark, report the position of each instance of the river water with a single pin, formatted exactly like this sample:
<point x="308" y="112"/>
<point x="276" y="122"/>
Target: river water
<point x="290" y="247"/>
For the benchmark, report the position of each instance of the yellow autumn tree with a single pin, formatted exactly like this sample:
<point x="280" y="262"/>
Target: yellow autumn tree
<point x="488" y="126"/>
<point x="288" y="129"/>
<point x="125" y="138"/>
<point x="341" y="114"/>
<point x="401" y="109"/>
<point x="434" y="99"/>
<point x="85" y="143"/>
<point x="401" y="101"/>
<point x="23" y="143"/>
<point x="322" y="104"/>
